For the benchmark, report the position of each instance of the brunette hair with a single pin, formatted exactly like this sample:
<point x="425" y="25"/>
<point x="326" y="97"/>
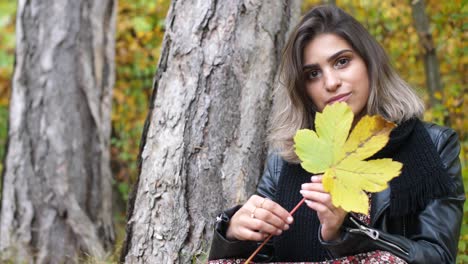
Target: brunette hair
<point x="390" y="96"/>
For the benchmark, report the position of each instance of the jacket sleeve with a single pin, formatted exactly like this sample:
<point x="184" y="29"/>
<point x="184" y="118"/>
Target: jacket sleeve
<point x="221" y="247"/>
<point x="269" y="181"/>
<point x="439" y="223"/>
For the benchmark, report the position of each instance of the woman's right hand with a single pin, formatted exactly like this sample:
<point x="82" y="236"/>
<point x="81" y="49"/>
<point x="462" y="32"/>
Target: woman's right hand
<point x="258" y="218"/>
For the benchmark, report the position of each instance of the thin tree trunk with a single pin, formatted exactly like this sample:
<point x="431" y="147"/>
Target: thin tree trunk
<point x="56" y="199"/>
<point x="431" y="63"/>
<point x="203" y="146"/>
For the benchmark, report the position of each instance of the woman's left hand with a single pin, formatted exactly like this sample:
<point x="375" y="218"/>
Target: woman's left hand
<point x="318" y="199"/>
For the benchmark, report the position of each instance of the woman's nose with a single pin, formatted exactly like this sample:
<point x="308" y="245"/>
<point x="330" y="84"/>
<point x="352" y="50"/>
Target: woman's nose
<point x="332" y="81"/>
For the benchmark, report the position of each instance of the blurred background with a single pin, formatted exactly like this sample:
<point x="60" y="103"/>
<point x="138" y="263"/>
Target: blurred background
<point x="140" y="30"/>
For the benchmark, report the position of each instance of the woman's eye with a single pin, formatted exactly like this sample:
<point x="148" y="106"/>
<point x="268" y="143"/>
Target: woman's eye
<point x="313" y="74"/>
<point x="342" y="62"/>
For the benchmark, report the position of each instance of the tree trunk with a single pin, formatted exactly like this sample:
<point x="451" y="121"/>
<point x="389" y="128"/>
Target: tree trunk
<point x="431" y="63"/>
<point x="56" y="200"/>
<point x="203" y="146"/>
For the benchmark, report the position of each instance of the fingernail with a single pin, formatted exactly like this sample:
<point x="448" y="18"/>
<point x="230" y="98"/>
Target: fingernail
<point x="290" y="219"/>
<point x="301" y="191"/>
<point x="308" y="202"/>
<point x="313" y="178"/>
<point x="279" y="231"/>
<point x="286" y="227"/>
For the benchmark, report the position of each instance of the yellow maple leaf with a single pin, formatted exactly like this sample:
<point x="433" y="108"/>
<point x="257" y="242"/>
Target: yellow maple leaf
<point x="328" y="150"/>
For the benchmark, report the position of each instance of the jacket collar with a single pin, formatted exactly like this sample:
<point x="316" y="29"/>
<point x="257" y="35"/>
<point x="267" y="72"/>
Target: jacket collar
<point x="379" y="203"/>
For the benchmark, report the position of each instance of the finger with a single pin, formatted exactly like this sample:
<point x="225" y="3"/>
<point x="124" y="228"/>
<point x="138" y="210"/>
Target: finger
<point x="271" y="218"/>
<point x="263" y="200"/>
<point x="247" y="234"/>
<point x="323" y="198"/>
<point x="268" y="217"/>
<point x="318" y="207"/>
<point x="257" y="200"/>
<point x="255" y="224"/>
<point x="313" y="187"/>
<point x="316" y="178"/>
<point x="278" y="210"/>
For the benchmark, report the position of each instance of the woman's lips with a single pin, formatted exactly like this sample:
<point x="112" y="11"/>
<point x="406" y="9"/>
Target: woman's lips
<point x="339" y="98"/>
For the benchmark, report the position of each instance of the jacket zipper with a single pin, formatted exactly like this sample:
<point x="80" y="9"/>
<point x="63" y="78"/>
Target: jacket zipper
<point x="374" y="234"/>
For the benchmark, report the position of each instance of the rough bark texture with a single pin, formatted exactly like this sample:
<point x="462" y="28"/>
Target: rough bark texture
<point x="203" y="148"/>
<point x="56" y="200"/>
<point x="431" y="63"/>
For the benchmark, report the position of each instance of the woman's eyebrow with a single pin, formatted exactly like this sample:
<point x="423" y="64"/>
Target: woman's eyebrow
<point x="330" y="59"/>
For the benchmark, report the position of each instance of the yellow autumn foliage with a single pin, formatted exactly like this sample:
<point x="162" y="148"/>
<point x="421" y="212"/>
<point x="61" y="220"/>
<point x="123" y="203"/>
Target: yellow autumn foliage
<point x="342" y="159"/>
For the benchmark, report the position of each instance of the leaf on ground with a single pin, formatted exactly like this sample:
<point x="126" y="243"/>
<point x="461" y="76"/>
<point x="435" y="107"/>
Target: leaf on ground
<point x="329" y="150"/>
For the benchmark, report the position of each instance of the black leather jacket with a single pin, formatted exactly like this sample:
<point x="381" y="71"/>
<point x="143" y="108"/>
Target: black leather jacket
<point x="431" y="236"/>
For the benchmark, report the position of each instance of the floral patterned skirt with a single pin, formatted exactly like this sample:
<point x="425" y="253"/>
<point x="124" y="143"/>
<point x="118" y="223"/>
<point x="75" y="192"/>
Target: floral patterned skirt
<point x="376" y="257"/>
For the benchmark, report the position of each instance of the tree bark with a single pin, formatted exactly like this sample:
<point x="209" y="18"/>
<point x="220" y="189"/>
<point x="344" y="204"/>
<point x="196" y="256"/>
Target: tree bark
<point x="56" y="197"/>
<point x="431" y="63"/>
<point x="203" y="147"/>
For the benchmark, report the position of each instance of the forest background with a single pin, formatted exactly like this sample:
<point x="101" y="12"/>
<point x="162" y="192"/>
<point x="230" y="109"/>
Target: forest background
<point x="140" y="30"/>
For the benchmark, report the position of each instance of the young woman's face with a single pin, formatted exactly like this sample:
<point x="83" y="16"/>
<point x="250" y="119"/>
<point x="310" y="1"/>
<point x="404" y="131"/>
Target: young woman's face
<point x="334" y="72"/>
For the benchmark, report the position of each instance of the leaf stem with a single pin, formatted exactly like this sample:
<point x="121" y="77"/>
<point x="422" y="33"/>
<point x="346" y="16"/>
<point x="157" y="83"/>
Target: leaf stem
<point x="268" y="238"/>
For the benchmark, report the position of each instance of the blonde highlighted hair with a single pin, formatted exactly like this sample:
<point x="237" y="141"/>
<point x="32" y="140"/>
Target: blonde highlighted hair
<point x="390" y="96"/>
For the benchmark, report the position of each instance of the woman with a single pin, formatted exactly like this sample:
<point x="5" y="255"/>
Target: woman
<point x="329" y="58"/>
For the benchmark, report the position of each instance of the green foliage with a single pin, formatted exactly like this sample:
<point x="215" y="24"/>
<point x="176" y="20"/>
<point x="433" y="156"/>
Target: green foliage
<point x="140" y="30"/>
<point x="7" y="45"/>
